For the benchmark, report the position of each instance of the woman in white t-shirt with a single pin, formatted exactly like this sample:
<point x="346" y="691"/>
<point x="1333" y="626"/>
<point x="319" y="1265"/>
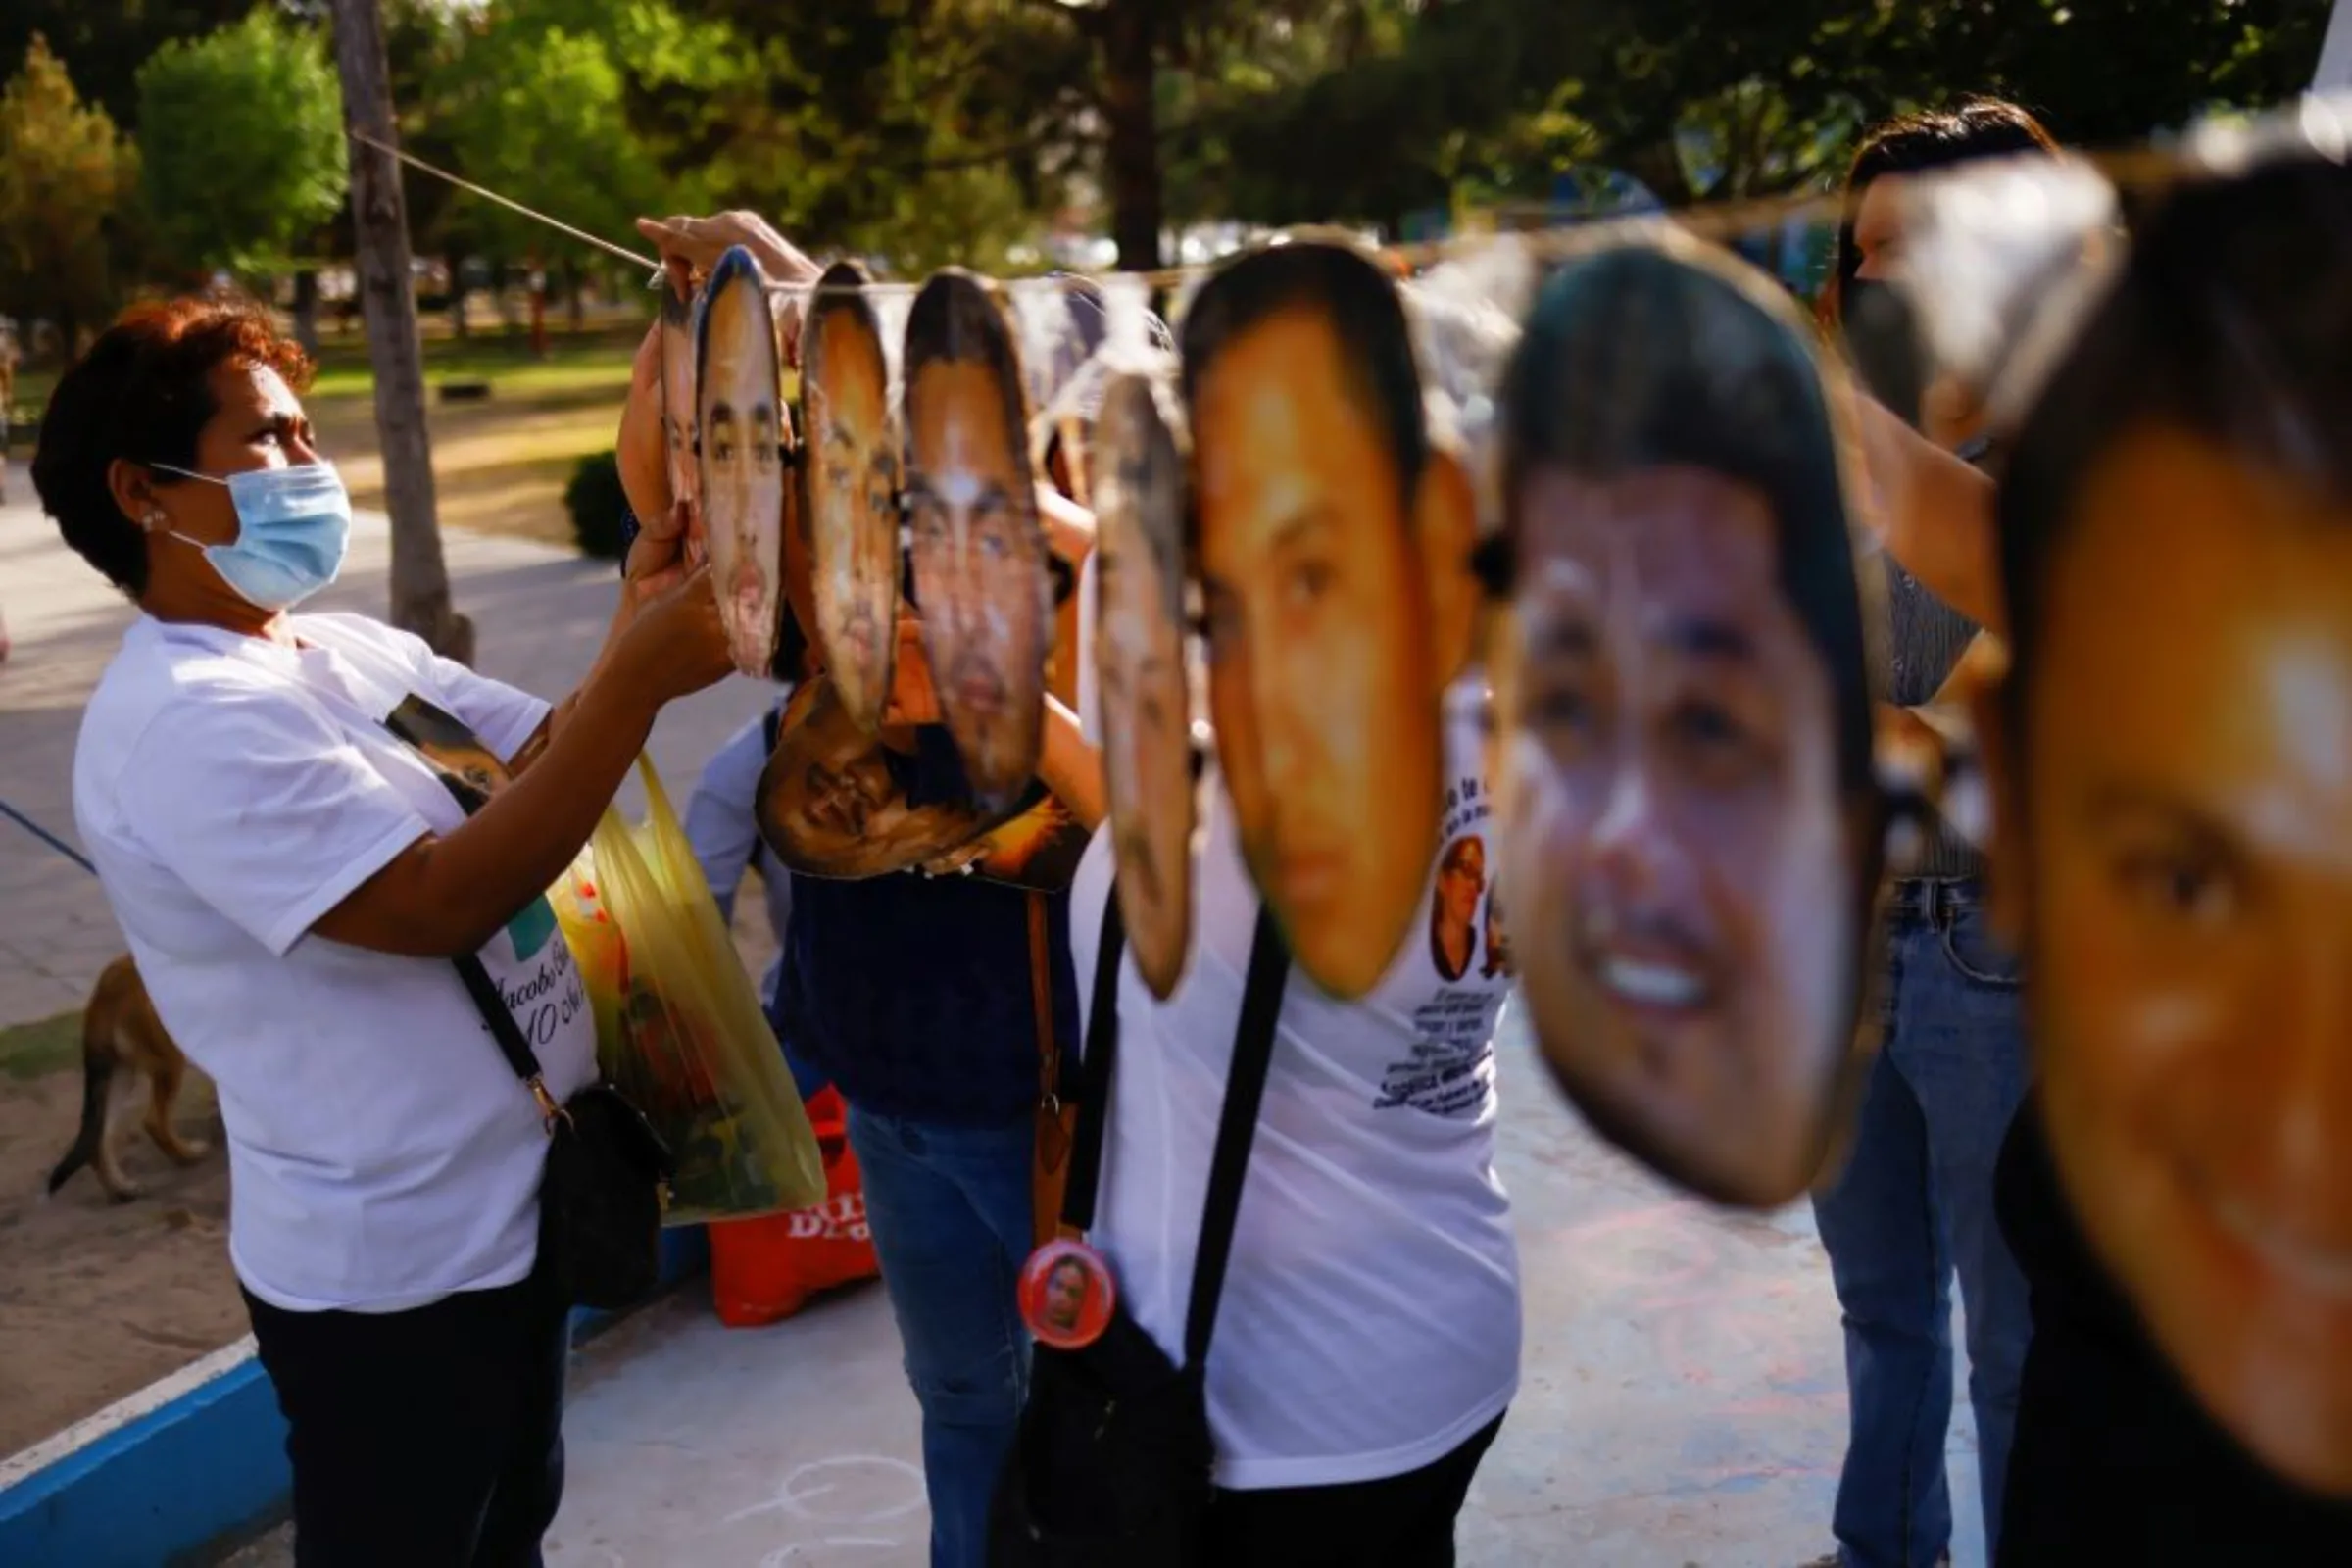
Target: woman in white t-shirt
<point x="295" y="879"/>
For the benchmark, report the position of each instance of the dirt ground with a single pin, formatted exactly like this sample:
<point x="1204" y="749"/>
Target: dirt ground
<point x="98" y="1299"/>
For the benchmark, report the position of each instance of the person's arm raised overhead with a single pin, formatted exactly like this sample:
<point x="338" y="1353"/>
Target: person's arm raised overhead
<point x="641" y="449"/>
<point x="1934" y="512"/>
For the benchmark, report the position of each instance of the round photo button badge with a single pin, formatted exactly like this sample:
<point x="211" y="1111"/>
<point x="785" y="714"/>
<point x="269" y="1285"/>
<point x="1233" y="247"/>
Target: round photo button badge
<point x="1066" y="1295"/>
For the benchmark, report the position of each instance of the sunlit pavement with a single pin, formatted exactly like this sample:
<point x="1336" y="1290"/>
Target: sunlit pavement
<point x="1683" y="1401"/>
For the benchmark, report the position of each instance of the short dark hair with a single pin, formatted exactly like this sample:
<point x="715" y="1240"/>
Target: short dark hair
<point x="2227" y="321"/>
<point x="1368" y="331"/>
<point x="1643" y="354"/>
<point x="1914" y="143"/>
<point x="143" y="393"/>
<point x="956" y="320"/>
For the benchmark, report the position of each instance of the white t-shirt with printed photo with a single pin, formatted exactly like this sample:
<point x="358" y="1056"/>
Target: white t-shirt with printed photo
<point x="1370" y="1321"/>
<point x="232" y="792"/>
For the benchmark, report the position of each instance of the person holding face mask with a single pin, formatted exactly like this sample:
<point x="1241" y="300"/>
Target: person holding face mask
<point x="1913" y="1205"/>
<point x="921" y="999"/>
<point x="2173" y="807"/>
<point x="295" y="880"/>
<point x="1367" y="1335"/>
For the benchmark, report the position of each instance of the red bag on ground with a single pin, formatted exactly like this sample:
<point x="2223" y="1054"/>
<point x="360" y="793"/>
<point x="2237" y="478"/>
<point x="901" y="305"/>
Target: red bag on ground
<point x="764" y="1270"/>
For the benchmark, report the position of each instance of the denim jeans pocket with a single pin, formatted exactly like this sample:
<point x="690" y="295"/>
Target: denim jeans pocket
<point x="1974" y="953"/>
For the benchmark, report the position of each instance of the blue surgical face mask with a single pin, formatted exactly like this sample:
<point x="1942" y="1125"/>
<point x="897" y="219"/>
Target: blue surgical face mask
<point x="293" y="528"/>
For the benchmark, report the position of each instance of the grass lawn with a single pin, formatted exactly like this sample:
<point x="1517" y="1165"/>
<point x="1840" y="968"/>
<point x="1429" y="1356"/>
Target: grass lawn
<point x="30" y="1049"/>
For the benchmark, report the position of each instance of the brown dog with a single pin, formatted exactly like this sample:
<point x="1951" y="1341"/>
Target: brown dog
<point x="120" y="1038"/>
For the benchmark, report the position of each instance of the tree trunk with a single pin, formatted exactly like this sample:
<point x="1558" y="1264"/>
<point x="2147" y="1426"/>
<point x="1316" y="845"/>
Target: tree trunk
<point x="538" y="309"/>
<point x="573" y="282"/>
<point x="380" y="225"/>
<point x="306" y="310"/>
<point x="1129" y="40"/>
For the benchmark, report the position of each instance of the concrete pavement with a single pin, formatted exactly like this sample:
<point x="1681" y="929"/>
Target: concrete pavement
<point x="1682" y="1401"/>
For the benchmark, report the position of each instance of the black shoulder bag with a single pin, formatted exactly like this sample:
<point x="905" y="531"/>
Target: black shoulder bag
<point x="1111" y="1466"/>
<point x="600" y="1200"/>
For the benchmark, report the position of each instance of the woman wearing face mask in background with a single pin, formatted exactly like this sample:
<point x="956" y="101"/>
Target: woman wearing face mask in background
<point x="1913" y="1206"/>
<point x="294" y="880"/>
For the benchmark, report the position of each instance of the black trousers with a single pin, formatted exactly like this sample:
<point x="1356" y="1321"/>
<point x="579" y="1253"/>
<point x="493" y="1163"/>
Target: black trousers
<point x="1401" y="1521"/>
<point x="425" y="1438"/>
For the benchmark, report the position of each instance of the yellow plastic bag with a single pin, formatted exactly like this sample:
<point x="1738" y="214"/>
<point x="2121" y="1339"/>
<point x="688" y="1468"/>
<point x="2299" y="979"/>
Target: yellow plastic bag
<point x="688" y="1043"/>
<point x="593" y="938"/>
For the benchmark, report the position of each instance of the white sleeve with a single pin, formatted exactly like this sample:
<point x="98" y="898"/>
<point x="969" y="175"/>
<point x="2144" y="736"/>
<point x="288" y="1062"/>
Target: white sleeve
<point x="1090" y="698"/>
<point x="256" y="801"/>
<point x="722" y="813"/>
<point x="501" y="714"/>
<point x="1090" y="892"/>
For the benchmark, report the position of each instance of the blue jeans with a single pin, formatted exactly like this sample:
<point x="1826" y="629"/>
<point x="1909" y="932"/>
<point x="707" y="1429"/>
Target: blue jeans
<point x="1913" y="1207"/>
<point x="949" y="1209"/>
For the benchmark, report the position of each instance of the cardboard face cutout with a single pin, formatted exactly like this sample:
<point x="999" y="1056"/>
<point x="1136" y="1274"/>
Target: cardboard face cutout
<point x="679" y="409"/>
<point x="835" y="802"/>
<point x="977" y="549"/>
<point x="1140" y="673"/>
<point x="1325" y="539"/>
<point x="739" y="417"/>
<point x="2174" y="791"/>
<point x="850" y="493"/>
<point x="1682" y="719"/>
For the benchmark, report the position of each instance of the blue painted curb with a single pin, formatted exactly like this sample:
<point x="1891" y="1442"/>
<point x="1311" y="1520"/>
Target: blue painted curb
<point x="204" y="1467"/>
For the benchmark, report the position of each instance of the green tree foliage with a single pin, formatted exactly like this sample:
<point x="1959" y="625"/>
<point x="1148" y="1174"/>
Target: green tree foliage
<point x="103" y="44"/>
<point x="538" y="111"/>
<point x="244" y="149"/>
<point x="64" y="182"/>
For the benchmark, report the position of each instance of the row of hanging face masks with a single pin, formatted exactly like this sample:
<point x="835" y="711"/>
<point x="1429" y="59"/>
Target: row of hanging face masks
<point x="1656" y="555"/>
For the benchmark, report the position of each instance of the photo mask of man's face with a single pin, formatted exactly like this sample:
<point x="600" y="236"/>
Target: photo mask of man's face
<point x="1680" y="736"/>
<point x="678" y="412"/>
<point x="740" y="418"/>
<point x="1139" y="664"/>
<point x="833" y="799"/>
<point x="1328" y="543"/>
<point x="2173" y="766"/>
<point x="850" y="490"/>
<point x="977" y="548"/>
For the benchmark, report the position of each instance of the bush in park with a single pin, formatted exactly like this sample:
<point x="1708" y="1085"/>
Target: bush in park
<point x="597" y="505"/>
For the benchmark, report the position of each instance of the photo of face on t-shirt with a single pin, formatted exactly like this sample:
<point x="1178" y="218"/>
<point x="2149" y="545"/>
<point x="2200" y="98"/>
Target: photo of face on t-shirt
<point x="469" y="768"/>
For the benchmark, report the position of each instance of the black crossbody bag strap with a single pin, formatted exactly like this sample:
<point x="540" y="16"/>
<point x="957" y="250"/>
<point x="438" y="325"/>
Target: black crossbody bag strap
<point x="1236" y="1129"/>
<point x="1237" y="1124"/>
<point x="503" y="1028"/>
<point x="1101" y="1053"/>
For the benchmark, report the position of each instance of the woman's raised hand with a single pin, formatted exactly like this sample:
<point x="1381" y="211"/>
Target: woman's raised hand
<point x="677" y="643"/>
<point x="692" y="245"/>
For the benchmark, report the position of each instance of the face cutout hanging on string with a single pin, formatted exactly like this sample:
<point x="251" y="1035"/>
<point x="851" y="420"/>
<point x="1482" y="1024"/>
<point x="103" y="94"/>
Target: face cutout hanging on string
<point x="978" y="552"/>
<point x="2173" y="766"/>
<point x="837" y="801"/>
<point x="678" y="410"/>
<point x="850" y="488"/>
<point x="741" y="426"/>
<point x="1138" y="656"/>
<point x="1682" y="717"/>
<point x="1331" y="547"/>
